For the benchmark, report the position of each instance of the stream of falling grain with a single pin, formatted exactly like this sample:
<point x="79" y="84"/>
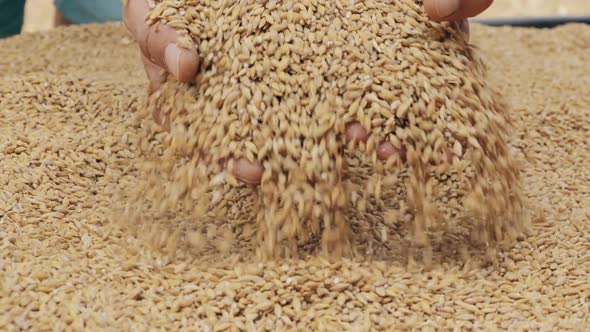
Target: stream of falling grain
<point x="279" y="82"/>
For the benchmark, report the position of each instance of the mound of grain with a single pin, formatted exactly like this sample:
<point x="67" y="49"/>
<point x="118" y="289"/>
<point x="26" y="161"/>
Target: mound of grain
<point x="538" y="8"/>
<point x="69" y="141"/>
<point x="278" y="83"/>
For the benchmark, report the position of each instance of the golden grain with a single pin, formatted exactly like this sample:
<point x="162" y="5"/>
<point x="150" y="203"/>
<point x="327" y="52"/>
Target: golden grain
<point x="279" y="81"/>
<point x="57" y="195"/>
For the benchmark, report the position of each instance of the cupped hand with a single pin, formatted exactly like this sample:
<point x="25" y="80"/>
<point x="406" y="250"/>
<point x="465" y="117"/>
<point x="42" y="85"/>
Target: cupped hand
<point x="160" y="51"/>
<point x="455" y="10"/>
<point x="158" y="44"/>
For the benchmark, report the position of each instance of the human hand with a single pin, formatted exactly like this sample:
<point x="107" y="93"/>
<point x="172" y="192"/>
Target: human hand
<point x="457" y="11"/>
<point x="158" y="45"/>
<point x="160" y="51"/>
<point x="454" y="10"/>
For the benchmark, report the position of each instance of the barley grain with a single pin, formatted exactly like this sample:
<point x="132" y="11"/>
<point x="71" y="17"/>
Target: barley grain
<point x="73" y="101"/>
<point x="320" y="67"/>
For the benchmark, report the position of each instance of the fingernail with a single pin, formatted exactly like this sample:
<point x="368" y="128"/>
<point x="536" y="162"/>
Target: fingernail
<point x="446" y="8"/>
<point x="386" y="150"/>
<point x="247" y="172"/>
<point x="172" y="59"/>
<point x="356" y="133"/>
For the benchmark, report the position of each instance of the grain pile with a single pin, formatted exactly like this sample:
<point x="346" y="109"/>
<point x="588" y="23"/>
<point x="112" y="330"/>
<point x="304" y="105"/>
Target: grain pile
<point x="70" y="140"/>
<point x="278" y="83"/>
<point x="532" y="8"/>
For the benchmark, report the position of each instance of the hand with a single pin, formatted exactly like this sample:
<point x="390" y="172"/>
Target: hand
<point x="159" y="51"/>
<point x="455" y="10"/>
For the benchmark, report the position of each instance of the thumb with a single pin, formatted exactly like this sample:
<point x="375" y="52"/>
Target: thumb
<point x="159" y="42"/>
<point x="454" y="10"/>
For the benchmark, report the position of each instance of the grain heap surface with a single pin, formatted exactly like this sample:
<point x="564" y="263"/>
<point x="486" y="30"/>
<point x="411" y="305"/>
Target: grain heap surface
<point x="69" y="141"/>
<point x="278" y="83"/>
<point x="532" y="8"/>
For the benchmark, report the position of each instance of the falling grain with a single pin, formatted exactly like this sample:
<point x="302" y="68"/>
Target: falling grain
<point x="77" y="97"/>
<point x="282" y="92"/>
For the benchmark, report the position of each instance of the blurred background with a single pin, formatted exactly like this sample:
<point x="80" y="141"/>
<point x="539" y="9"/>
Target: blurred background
<point x="532" y="8"/>
<point x="41" y="14"/>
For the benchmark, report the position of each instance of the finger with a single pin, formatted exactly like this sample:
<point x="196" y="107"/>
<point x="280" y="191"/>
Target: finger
<point x="158" y="43"/>
<point x="247" y="171"/>
<point x="387" y="150"/>
<point x="356" y="133"/>
<point x="154" y="74"/>
<point x="450" y="10"/>
<point x="162" y="49"/>
<point x="134" y="16"/>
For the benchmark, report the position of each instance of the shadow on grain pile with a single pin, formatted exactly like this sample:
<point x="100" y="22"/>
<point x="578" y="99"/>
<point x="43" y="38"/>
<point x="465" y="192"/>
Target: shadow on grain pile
<point x="277" y="85"/>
